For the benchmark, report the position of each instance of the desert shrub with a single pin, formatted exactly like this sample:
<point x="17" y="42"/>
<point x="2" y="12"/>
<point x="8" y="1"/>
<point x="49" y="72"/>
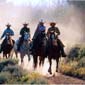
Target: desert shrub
<point x="66" y="69"/>
<point x="73" y="70"/>
<point x="76" y="62"/>
<point x="16" y="71"/>
<point x="11" y="73"/>
<point x="34" y="78"/>
<point x="74" y="52"/>
<point x="7" y="62"/>
<point x="80" y="72"/>
<point x="5" y="77"/>
<point x="81" y="53"/>
<point x="81" y="62"/>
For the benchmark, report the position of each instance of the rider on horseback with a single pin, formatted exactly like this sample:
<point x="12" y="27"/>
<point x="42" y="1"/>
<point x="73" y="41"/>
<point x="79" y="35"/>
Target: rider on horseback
<point x="57" y="32"/>
<point x="40" y="30"/>
<point x="7" y="33"/>
<point x="24" y="30"/>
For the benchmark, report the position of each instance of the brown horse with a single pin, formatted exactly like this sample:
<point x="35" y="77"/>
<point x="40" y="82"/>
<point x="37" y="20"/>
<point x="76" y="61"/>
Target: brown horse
<point x="7" y="46"/>
<point x="53" y="51"/>
<point x="38" y="49"/>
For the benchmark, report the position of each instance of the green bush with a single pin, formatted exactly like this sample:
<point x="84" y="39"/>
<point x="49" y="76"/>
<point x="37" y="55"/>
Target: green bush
<point x="35" y="78"/>
<point x="81" y="53"/>
<point x="11" y="73"/>
<point x="5" y="77"/>
<point x="81" y="62"/>
<point x="7" y="62"/>
<point x="76" y="62"/>
<point x="74" y="53"/>
<point x="16" y="71"/>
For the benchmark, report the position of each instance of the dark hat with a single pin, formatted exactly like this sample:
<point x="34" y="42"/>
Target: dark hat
<point x="25" y="24"/>
<point x="8" y="25"/>
<point x="52" y="23"/>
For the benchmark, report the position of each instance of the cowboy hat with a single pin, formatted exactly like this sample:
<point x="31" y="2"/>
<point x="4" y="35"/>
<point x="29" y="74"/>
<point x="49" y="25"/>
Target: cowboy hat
<point x="52" y="23"/>
<point x="41" y="21"/>
<point x="8" y="25"/>
<point x="25" y="24"/>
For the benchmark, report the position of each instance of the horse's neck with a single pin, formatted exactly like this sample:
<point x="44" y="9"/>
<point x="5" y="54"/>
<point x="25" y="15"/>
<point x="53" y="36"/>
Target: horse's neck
<point x="52" y="36"/>
<point x="9" y="41"/>
<point x="53" y="40"/>
<point x="26" y="42"/>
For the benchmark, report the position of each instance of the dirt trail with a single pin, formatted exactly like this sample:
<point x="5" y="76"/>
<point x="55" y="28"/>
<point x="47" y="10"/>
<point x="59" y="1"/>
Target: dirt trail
<point x="63" y="79"/>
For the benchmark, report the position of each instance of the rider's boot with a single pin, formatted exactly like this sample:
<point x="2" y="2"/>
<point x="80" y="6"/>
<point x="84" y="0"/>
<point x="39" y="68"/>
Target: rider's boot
<point x="62" y="48"/>
<point x="62" y="52"/>
<point x="19" y="44"/>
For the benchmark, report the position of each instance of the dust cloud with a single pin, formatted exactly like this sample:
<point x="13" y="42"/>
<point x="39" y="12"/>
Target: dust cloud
<point x="69" y="17"/>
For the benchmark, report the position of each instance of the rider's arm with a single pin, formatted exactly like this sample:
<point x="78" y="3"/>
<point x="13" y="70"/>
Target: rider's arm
<point x="21" y="31"/>
<point x="11" y="32"/>
<point x="57" y="30"/>
<point x="29" y="32"/>
<point x="4" y="33"/>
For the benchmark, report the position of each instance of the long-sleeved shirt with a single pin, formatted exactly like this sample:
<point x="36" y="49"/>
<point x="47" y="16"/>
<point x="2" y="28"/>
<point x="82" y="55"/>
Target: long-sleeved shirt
<point x="9" y="31"/>
<point x="23" y="30"/>
<point x="55" y="29"/>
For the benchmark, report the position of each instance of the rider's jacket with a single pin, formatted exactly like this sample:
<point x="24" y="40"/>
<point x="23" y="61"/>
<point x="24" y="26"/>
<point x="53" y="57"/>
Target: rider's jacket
<point x="23" y="30"/>
<point x="54" y="29"/>
<point x="9" y="31"/>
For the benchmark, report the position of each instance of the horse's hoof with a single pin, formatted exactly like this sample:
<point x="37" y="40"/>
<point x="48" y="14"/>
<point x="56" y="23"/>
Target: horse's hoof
<point x="49" y="71"/>
<point x="35" y="67"/>
<point x="57" y="70"/>
<point x="29" y="59"/>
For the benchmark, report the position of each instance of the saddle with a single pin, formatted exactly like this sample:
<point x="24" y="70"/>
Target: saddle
<point x="53" y="39"/>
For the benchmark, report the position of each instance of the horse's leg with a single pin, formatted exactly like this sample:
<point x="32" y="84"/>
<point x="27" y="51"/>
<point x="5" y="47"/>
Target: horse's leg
<point x="6" y="56"/>
<point x="40" y="60"/>
<point x="22" y="56"/>
<point x="50" y="61"/>
<point x="28" y="57"/>
<point x="35" y="61"/>
<point x="16" y="53"/>
<point x="9" y="55"/>
<point x="57" y="62"/>
<point x="3" y="55"/>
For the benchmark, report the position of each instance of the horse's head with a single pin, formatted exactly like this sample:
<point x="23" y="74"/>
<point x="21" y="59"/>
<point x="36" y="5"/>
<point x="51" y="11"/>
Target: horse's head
<point x="53" y="37"/>
<point x="8" y="36"/>
<point x="26" y="36"/>
<point x="9" y="39"/>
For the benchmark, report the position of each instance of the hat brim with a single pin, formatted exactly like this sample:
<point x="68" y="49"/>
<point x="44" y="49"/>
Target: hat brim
<point x="8" y="25"/>
<point x="25" y="24"/>
<point x="52" y="23"/>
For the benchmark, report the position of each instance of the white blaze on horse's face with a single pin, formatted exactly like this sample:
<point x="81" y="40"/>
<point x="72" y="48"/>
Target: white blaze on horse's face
<point x="8" y="35"/>
<point x="26" y="36"/>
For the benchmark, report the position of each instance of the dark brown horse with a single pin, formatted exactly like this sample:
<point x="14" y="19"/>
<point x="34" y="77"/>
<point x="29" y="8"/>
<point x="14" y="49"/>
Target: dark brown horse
<point x="38" y="49"/>
<point x="7" y="46"/>
<point x="53" y="51"/>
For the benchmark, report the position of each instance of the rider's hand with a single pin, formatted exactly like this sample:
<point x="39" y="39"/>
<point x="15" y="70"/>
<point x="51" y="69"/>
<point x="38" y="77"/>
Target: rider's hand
<point x="56" y="34"/>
